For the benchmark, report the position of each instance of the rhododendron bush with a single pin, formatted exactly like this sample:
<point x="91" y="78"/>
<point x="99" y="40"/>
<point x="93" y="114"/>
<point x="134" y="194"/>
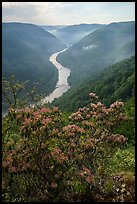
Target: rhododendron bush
<point x="47" y="157"/>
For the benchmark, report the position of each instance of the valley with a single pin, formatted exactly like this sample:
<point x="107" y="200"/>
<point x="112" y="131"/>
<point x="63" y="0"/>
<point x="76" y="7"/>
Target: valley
<point x="62" y="84"/>
<point x="68" y="102"/>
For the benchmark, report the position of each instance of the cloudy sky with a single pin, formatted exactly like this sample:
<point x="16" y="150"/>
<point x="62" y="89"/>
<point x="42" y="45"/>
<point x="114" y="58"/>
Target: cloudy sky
<point x="67" y="13"/>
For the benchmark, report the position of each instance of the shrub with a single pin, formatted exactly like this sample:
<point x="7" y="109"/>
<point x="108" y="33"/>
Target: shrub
<point x="49" y="158"/>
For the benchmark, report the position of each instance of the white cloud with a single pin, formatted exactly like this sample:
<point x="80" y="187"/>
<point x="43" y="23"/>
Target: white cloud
<point x="57" y="13"/>
<point x="34" y="12"/>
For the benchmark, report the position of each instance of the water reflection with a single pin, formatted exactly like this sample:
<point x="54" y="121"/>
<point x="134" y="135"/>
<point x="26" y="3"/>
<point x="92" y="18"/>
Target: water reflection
<point x="62" y="85"/>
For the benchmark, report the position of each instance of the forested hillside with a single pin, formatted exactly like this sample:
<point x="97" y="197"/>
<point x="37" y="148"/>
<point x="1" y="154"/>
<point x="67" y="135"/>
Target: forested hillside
<point x="51" y="155"/>
<point x="72" y="33"/>
<point x="102" y="48"/>
<point x="68" y="102"/>
<point x="25" y="53"/>
<point x="116" y="82"/>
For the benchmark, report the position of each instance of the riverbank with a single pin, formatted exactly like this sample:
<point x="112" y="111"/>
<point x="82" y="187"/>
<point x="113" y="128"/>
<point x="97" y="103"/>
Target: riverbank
<point x="63" y="73"/>
<point x="62" y="85"/>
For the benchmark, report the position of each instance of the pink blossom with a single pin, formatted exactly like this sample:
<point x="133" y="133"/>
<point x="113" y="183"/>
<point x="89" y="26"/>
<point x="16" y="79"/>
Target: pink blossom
<point x="93" y="96"/>
<point x="12" y="169"/>
<point x="18" y="116"/>
<point x="86" y="170"/>
<point x="27" y="121"/>
<point x="58" y="155"/>
<point x="73" y="129"/>
<point x="36" y="115"/>
<point x="117" y="104"/>
<point x="84" y="109"/>
<point x="89" y="179"/>
<point x="88" y="116"/>
<point x="91" y="124"/>
<point x="46" y="121"/>
<point x="81" y="173"/>
<point x="99" y="104"/>
<point x="93" y="105"/>
<point x="76" y="116"/>
<point x="45" y="110"/>
<point x="73" y="144"/>
<point x="55" y="109"/>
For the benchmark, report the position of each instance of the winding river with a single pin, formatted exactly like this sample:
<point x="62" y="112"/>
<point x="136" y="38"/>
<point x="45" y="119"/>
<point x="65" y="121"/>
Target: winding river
<point x="62" y="85"/>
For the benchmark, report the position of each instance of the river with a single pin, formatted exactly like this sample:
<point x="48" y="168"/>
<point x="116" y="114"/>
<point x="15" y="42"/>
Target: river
<point x="62" y="84"/>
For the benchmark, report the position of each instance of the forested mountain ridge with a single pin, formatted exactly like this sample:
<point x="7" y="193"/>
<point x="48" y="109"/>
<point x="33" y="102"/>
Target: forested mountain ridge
<point x="116" y="82"/>
<point x="103" y="47"/>
<point x="72" y="33"/>
<point x="83" y="156"/>
<point x="26" y="49"/>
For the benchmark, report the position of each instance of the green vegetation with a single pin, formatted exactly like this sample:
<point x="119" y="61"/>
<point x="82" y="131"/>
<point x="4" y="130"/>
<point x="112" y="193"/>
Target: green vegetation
<point x="26" y="49"/>
<point x="104" y="47"/>
<point x="84" y="149"/>
<point x="116" y="82"/>
<point x="53" y="156"/>
<point x="72" y="33"/>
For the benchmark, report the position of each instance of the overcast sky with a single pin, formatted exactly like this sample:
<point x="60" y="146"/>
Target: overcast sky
<point x="67" y="13"/>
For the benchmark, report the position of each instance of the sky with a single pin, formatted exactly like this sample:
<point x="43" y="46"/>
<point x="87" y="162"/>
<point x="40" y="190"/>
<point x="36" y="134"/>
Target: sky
<point x="67" y="13"/>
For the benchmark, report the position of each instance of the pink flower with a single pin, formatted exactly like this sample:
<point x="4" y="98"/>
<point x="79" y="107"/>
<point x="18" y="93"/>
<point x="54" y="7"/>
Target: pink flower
<point x="93" y="96"/>
<point x="99" y="104"/>
<point x="73" y="144"/>
<point x="90" y="124"/>
<point x="73" y="129"/>
<point x="12" y="169"/>
<point x="94" y="106"/>
<point x="18" y="116"/>
<point x="117" y="104"/>
<point x="89" y="179"/>
<point x="27" y="110"/>
<point x="88" y="116"/>
<point x="81" y="173"/>
<point x="76" y="116"/>
<point x="27" y="121"/>
<point x="36" y="115"/>
<point x="45" y="110"/>
<point x="55" y="109"/>
<point x="86" y="170"/>
<point x="46" y="121"/>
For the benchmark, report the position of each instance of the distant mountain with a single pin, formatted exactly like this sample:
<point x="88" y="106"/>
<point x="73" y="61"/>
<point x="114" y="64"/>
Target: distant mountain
<point x="72" y="33"/>
<point x="51" y="29"/>
<point x="25" y="53"/>
<point x="105" y="46"/>
<point x="116" y="82"/>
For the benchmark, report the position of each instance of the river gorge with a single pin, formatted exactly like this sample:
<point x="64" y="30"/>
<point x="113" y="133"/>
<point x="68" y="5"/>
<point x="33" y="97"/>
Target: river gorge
<point x="62" y="85"/>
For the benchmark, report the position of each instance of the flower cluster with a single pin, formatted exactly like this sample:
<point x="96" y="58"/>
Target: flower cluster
<point x="117" y="104"/>
<point x="58" y="155"/>
<point x="116" y="138"/>
<point x="76" y="116"/>
<point x="93" y="96"/>
<point x="52" y="149"/>
<point x="86" y="173"/>
<point x="71" y="130"/>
